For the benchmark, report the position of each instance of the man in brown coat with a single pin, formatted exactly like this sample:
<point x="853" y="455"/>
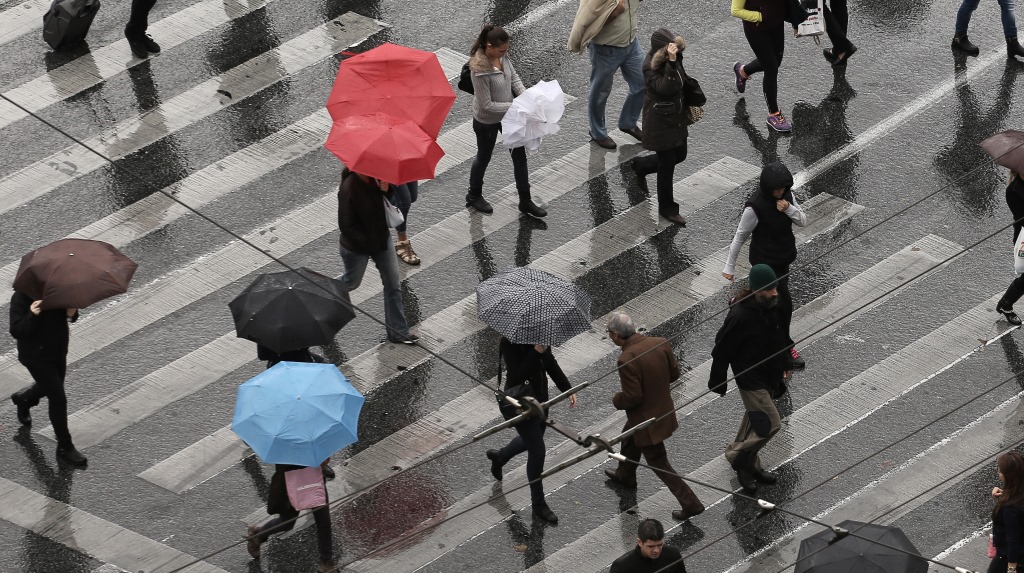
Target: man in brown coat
<point x="646" y="368"/>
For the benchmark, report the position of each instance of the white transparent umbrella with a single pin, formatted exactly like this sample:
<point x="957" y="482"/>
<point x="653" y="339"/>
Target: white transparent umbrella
<point x="533" y="115"/>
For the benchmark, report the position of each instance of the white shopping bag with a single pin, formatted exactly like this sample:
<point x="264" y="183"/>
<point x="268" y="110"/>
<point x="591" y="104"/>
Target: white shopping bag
<point x="814" y="25"/>
<point x="1018" y="254"/>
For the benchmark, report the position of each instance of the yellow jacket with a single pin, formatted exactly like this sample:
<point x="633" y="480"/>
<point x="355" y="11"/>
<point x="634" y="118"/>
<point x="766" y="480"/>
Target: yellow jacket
<point x="747" y="15"/>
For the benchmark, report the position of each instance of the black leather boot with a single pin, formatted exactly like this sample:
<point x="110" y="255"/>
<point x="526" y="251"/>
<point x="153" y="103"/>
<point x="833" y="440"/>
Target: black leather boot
<point x="478" y="203"/>
<point x="747" y="479"/>
<point x="963" y="44"/>
<point x="24" y="413"/>
<point x="71" y="455"/>
<point x="1014" y="49"/>
<point x="543" y="512"/>
<point x="764" y="477"/>
<point x="494" y="456"/>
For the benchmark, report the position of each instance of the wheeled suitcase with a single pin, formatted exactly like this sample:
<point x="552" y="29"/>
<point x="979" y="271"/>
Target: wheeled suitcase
<point x="68" y="21"/>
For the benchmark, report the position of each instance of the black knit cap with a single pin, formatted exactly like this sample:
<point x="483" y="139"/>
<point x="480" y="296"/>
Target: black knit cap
<point x="661" y="38"/>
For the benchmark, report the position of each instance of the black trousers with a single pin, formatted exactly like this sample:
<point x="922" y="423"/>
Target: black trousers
<point x="664" y="164"/>
<point x="138" y="20"/>
<point x="836" y="27"/>
<point x="785" y="303"/>
<point x="768" y="46"/>
<point x="656" y="457"/>
<point x="1012" y="294"/>
<point x="998" y="565"/>
<point x="486" y="137"/>
<point x="285" y="521"/>
<point x="49" y="384"/>
<point x="531" y="441"/>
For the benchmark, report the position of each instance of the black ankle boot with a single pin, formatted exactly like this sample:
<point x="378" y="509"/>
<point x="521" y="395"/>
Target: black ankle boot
<point x="747" y="479"/>
<point x="530" y="208"/>
<point x="24" y="410"/>
<point x="71" y="455"/>
<point x="543" y="512"/>
<point x="964" y="45"/>
<point x="1014" y="49"/>
<point x="495" y="456"/>
<point x="478" y="203"/>
<point x="765" y="477"/>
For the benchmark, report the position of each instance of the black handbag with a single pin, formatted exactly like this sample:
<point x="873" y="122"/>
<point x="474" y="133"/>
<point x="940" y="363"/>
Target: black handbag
<point x="694" y="99"/>
<point x="465" y="79"/>
<point x="508" y="411"/>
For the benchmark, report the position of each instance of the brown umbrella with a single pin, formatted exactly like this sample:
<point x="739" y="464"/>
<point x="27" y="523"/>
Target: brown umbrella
<point x="1007" y="148"/>
<point x="74" y="273"/>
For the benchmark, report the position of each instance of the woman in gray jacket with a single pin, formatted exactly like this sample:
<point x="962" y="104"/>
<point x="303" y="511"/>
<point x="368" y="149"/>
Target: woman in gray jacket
<point x="495" y="83"/>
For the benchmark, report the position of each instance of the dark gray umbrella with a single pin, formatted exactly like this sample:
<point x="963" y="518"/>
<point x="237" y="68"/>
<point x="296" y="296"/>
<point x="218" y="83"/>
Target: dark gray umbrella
<point x="1007" y="149"/>
<point x="528" y="306"/>
<point x="855" y="555"/>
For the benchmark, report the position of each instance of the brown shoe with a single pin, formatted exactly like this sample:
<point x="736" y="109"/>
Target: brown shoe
<point x="607" y="143"/>
<point x="636" y="133"/>
<point x="610" y="473"/>
<point x="253" y="542"/>
<point x="683" y="514"/>
<point x="326" y="567"/>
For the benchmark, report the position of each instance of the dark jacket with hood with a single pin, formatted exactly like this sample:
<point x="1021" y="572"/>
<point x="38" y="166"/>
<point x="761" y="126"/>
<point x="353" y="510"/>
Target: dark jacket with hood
<point x="42" y="338"/>
<point x="361" y="218"/>
<point x="670" y="561"/>
<point x="772" y="242"/>
<point x="747" y="341"/>
<point x="664" y="105"/>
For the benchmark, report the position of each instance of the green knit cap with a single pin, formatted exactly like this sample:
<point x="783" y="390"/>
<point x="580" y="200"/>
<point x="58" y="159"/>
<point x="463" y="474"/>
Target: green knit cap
<point x="762" y="277"/>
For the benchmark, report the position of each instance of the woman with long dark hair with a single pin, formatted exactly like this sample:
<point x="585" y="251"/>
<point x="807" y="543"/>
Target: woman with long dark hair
<point x="1008" y="514"/>
<point x="764" y="27"/>
<point x="495" y="84"/>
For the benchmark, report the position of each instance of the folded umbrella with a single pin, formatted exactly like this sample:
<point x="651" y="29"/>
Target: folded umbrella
<point x="396" y="80"/>
<point x="1007" y="149"/>
<point x="297" y="413"/>
<point x="533" y="115"/>
<point x="819" y="554"/>
<point x="528" y="306"/>
<point x="74" y="273"/>
<point x="291" y="310"/>
<point x="384" y="147"/>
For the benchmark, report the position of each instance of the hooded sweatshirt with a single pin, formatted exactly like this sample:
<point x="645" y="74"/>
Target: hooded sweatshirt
<point x="773" y="241"/>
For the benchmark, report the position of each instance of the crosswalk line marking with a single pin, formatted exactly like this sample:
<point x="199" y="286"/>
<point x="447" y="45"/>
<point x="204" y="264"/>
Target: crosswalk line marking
<point x="100" y="65"/>
<point x="968" y="552"/>
<point x="853" y="401"/>
<point x="90" y="534"/>
<point x="193" y="465"/>
<point x="934" y="470"/>
<point x="185" y="109"/>
<point x="216" y="180"/>
<point x="22" y="19"/>
<point x="476" y="408"/>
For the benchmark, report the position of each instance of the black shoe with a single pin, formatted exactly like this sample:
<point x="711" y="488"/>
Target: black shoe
<point x="1014" y="49"/>
<point x="614" y="477"/>
<point x="641" y="175"/>
<point x="831" y="57"/>
<point x="964" y="45"/>
<point x="765" y="477"/>
<point x="72" y="456"/>
<point x="841" y="61"/>
<point x="328" y="472"/>
<point x="747" y="481"/>
<point x="478" y="203"/>
<point x="677" y="219"/>
<point x="24" y="415"/>
<point x="407" y="339"/>
<point x="138" y="46"/>
<point x="636" y="133"/>
<point x="542" y="511"/>
<point x="683" y="514"/>
<point x="607" y="143"/>
<point x="495" y="465"/>
<point x="531" y="209"/>
<point x="1007" y="313"/>
<point x="151" y="46"/>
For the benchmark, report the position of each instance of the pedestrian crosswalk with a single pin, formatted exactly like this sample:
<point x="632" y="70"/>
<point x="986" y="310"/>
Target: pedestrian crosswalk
<point x="682" y="293"/>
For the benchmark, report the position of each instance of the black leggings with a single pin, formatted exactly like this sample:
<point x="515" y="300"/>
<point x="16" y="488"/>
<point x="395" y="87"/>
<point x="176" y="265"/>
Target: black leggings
<point x="768" y="46"/>
<point x="835" y="27"/>
<point x="49" y="384"/>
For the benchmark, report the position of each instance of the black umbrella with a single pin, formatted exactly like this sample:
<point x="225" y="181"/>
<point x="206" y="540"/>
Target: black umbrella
<point x="855" y="555"/>
<point x="528" y="306"/>
<point x="291" y="310"/>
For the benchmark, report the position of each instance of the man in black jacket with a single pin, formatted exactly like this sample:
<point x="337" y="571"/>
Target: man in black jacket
<point x="43" y="337"/>
<point x="364" y="236"/>
<point x="650" y="553"/>
<point x="753" y="343"/>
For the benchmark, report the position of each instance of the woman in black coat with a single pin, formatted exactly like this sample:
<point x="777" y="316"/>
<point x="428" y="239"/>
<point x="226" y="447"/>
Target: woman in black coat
<point x="1015" y="201"/>
<point x="1008" y="515"/>
<point x="665" y="109"/>
<point x="530" y="364"/>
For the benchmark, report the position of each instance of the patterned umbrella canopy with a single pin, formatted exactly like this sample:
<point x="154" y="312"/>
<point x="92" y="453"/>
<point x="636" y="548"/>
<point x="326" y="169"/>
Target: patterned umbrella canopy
<point x="528" y="306"/>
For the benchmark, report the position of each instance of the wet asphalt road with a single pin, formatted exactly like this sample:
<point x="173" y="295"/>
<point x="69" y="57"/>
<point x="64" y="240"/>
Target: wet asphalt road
<point x="903" y="55"/>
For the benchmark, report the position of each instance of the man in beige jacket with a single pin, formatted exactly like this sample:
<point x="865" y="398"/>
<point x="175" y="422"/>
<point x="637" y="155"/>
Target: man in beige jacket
<point x="607" y="29"/>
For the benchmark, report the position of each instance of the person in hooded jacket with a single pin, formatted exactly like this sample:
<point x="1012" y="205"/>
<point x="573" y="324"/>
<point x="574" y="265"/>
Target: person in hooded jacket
<point x="664" y="114"/>
<point x="752" y="342"/>
<point x="495" y="84"/>
<point x="767" y="220"/>
<point x="1015" y="201"/>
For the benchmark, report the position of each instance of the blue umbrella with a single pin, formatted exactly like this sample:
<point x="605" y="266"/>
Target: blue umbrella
<point x="297" y="413"/>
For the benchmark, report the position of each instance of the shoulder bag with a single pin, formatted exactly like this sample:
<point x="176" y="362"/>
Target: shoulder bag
<point x="466" y="79"/>
<point x="508" y="411"/>
<point x="694" y="98"/>
<point x="306" y="488"/>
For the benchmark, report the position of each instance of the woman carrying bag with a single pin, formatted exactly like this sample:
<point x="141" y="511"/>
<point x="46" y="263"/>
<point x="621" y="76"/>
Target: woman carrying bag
<point x="670" y="95"/>
<point x="1015" y="201"/>
<point x="529" y="365"/>
<point x="1008" y="515"/>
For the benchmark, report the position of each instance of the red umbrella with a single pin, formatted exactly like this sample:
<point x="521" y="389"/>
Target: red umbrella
<point x="1007" y="148"/>
<point x="74" y="273"/>
<point x="396" y="80"/>
<point x="384" y="147"/>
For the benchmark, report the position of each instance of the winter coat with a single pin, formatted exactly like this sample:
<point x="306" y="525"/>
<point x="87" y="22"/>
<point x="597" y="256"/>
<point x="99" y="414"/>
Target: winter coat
<point x="493" y="89"/>
<point x="647" y="366"/>
<point x="670" y="561"/>
<point x="751" y="341"/>
<point x="524" y="364"/>
<point x="665" y="107"/>
<point x="590" y="18"/>
<point x="1008" y="533"/>
<point x="361" y="218"/>
<point x="43" y="338"/>
<point x="772" y="242"/>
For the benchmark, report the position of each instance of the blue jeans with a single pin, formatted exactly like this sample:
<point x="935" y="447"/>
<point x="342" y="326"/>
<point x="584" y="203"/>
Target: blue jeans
<point x="403" y="196"/>
<point x="387" y="264"/>
<point x="963" y="17"/>
<point x="605" y="60"/>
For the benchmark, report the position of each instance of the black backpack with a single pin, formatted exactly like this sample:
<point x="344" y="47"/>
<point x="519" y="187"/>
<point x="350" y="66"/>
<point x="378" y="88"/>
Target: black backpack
<point x="466" y="80"/>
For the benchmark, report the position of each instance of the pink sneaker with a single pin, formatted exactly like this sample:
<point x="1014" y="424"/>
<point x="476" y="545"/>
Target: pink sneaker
<point x="796" y="362"/>
<point x="741" y="82"/>
<point x="779" y="123"/>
